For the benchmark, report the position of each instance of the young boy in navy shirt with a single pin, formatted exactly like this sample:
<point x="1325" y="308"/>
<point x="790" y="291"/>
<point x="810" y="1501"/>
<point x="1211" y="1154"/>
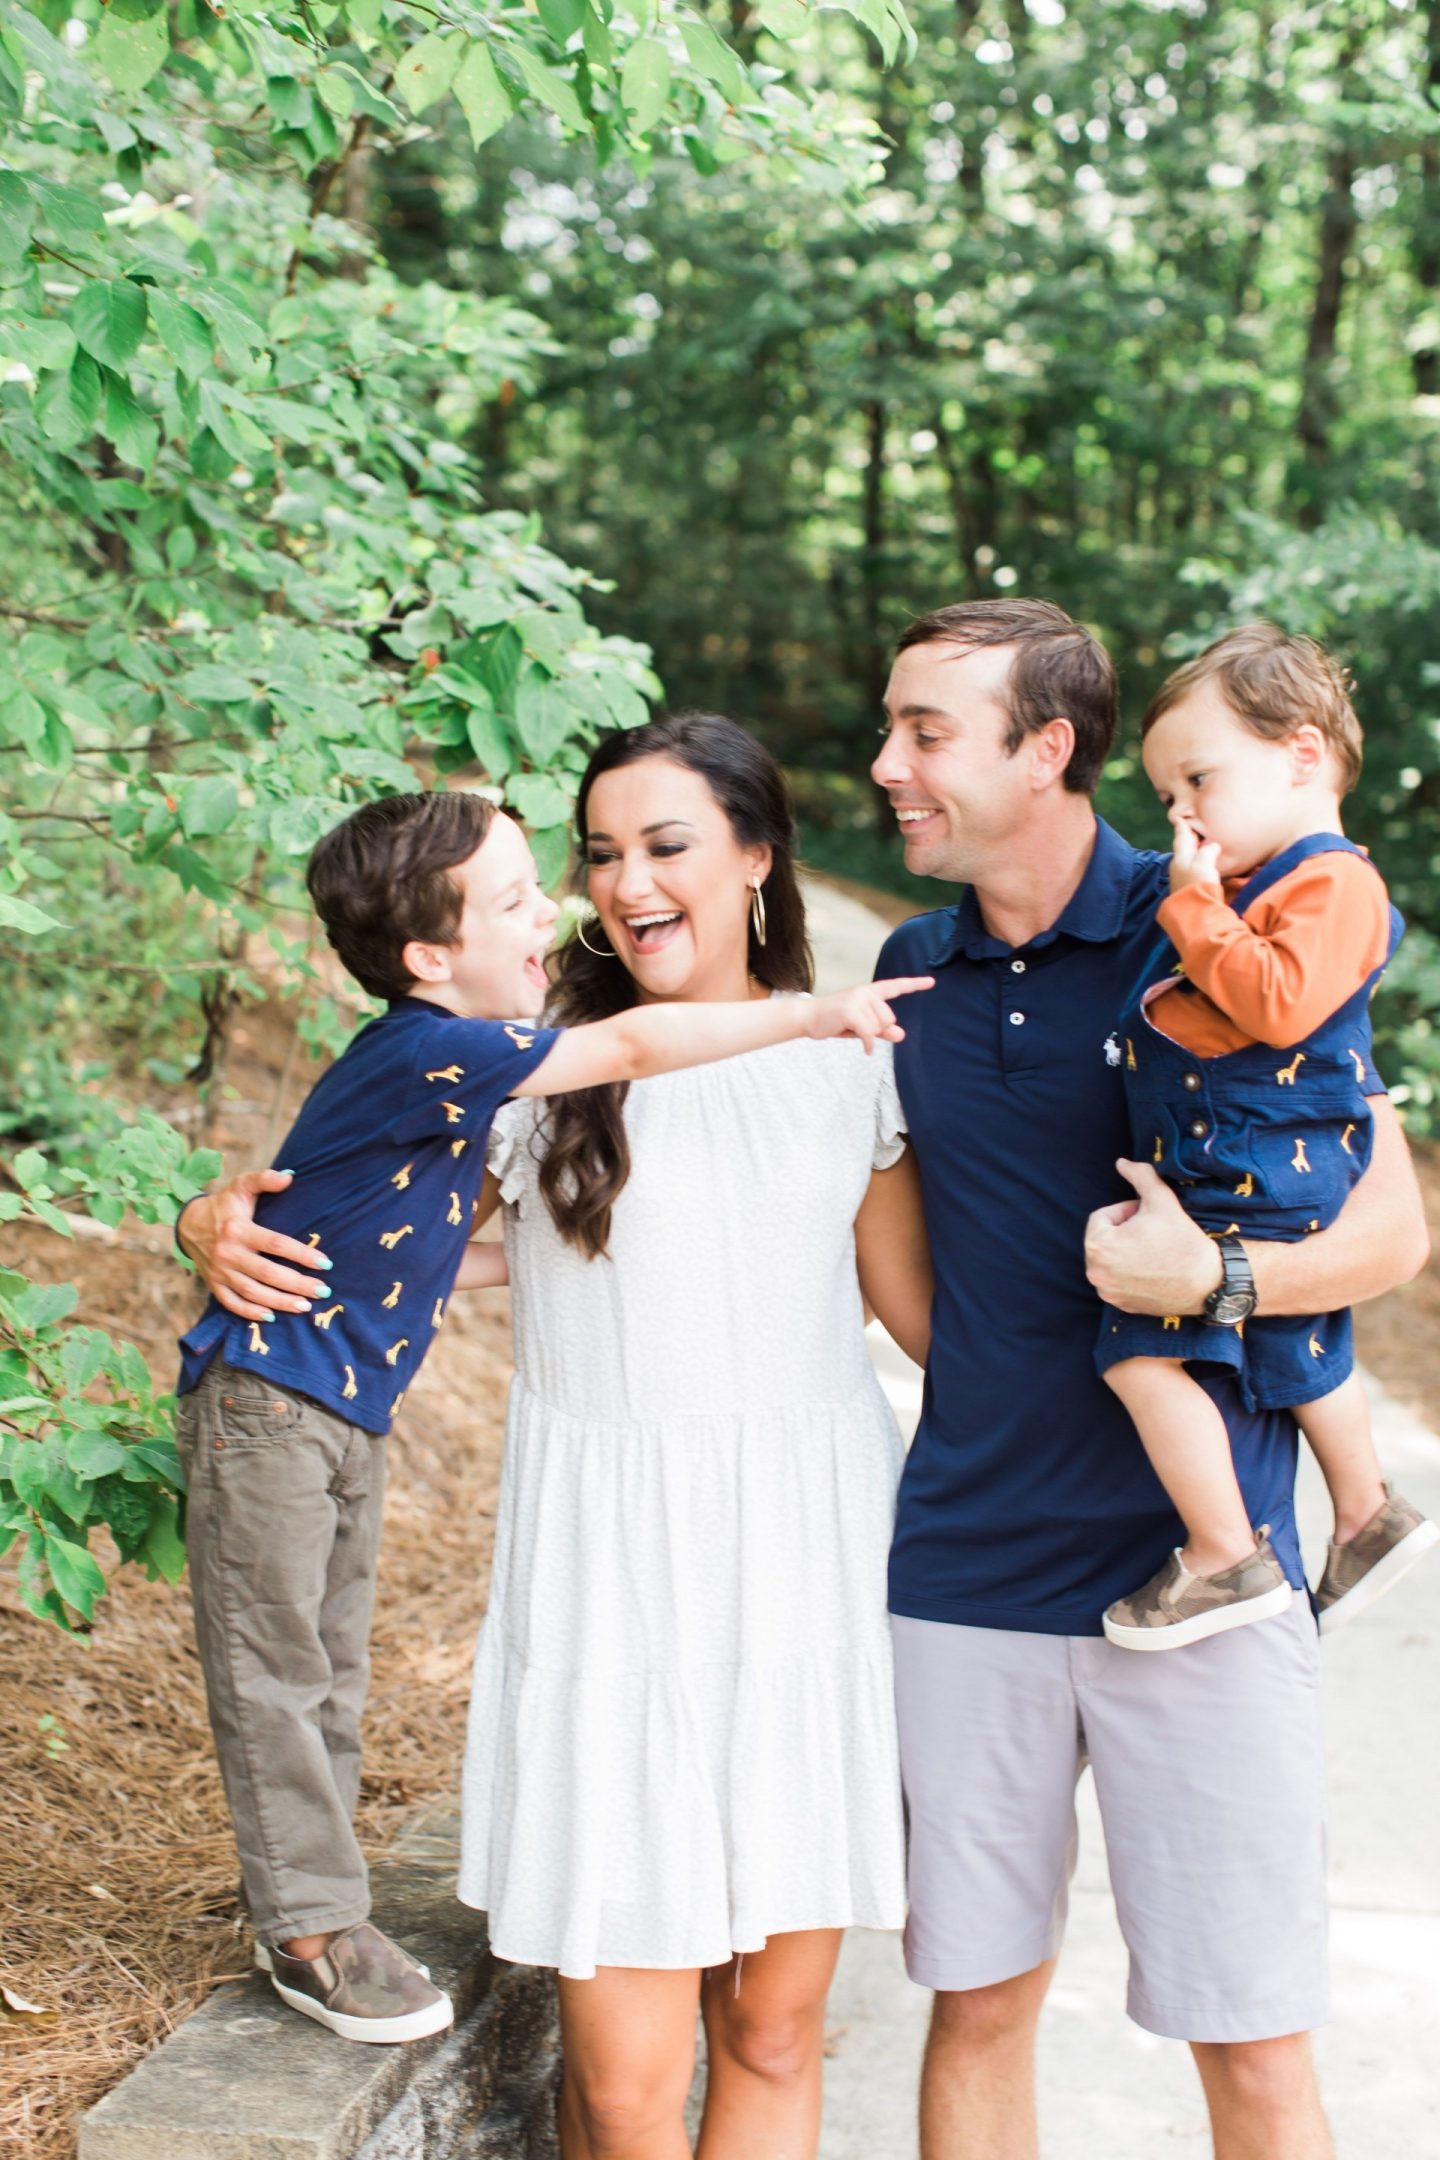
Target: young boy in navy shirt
<point x="432" y="902"/>
<point x="1248" y="1064"/>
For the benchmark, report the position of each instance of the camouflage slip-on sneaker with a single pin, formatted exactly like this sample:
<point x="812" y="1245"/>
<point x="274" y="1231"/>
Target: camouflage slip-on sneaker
<point x="265" y="1959"/>
<point x="364" y="1987"/>
<point x="1176" y="1607"/>
<point x="1373" y="1561"/>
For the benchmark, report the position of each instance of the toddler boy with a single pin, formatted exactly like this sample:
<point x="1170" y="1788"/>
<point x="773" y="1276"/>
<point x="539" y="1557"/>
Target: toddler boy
<point x="432" y="902"/>
<point x="1247" y="1066"/>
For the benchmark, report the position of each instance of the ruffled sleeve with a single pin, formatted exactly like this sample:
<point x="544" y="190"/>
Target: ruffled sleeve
<point x="890" y="1134"/>
<point x="509" y="1156"/>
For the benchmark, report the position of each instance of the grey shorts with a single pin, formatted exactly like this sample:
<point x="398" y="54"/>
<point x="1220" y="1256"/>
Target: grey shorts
<point x="1209" y="1771"/>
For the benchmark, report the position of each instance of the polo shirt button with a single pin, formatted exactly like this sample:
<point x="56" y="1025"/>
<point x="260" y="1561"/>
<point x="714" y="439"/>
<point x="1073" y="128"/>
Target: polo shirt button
<point x="1017" y="1019"/>
<point x="1191" y="1081"/>
<point x="1017" y="967"/>
<point x="1199" y="1129"/>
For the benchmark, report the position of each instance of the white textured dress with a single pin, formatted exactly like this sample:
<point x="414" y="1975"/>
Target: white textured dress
<point x="682" y="1736"/>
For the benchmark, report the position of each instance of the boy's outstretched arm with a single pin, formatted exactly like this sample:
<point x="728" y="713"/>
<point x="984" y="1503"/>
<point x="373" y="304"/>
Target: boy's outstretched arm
<point x="650" y="1039"/>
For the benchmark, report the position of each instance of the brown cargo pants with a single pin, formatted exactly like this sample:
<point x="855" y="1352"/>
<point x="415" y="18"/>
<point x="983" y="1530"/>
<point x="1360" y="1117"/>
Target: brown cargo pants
<point x="283" y="1529"/>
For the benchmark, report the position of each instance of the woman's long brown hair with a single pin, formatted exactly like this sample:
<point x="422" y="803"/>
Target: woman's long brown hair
<point x="587" y="1151"/>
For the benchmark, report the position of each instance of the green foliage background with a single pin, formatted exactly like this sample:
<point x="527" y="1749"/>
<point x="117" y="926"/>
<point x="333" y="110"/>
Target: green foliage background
<point x="315" y="318"/>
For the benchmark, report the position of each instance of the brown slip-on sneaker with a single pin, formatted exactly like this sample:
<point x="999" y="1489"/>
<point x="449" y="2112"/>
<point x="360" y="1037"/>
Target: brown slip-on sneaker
<point x="1373" y="1561"/>
<point x="364" y="1987"/>
<point x="1176" y="1607"/>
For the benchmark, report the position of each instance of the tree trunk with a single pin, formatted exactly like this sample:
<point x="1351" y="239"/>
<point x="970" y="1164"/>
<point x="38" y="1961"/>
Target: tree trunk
<point x="1426" y="358"/>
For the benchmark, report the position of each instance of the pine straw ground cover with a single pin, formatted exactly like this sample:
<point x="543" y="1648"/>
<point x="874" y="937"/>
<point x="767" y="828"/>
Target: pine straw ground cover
<point x="117" y="1869"/>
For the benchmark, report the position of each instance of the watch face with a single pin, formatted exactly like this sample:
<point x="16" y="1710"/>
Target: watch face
<point x="1229" y="1307"/>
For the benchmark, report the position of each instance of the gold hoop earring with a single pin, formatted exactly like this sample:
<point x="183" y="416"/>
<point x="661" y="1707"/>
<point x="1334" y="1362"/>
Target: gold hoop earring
<point x="757" y="912"/>
<point x="599" y="955"/>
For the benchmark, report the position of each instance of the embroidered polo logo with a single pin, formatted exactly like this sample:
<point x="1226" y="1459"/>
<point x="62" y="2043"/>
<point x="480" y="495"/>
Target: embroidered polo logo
<point x="453" y="1213"/>
<point x="449" y="1073"/>
<point x="323" y="1319"/>
<point x="257" y="1340"/>
<point x="1285" y="1077"/>
<point x="453" y="1112"/>
<point x="1112" y="1051"/>
<point x="393" y="1300"/>
<point x="1246" y="1187"/>
<point x="1345" y="1139"/>
<point x="391" y="1238"/>
<point x="401" y="1179"/>
<point x="349" y="1391"/>
<point x="1300" y="1160"/>
<point x="521" y="1042"/>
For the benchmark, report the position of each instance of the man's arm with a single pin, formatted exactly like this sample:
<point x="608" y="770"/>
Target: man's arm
<point x="1146" y="1256"/>
<point x="893" y="1256"/>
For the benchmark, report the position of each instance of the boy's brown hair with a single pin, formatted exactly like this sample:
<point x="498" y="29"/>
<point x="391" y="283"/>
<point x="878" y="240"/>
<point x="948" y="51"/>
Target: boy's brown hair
<point x="1276" y="684"/>
<point x="381" y="879"/>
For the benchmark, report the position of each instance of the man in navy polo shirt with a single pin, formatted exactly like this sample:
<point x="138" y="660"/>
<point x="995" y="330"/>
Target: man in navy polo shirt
<point x="1027" y="1503"/>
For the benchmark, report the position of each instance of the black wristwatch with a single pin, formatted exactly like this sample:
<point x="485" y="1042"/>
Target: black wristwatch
<point x="1233" y="1298"/>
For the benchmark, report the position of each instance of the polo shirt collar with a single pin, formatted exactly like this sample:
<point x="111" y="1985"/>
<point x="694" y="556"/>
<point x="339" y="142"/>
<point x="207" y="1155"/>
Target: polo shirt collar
<point x="1095" y="911"/>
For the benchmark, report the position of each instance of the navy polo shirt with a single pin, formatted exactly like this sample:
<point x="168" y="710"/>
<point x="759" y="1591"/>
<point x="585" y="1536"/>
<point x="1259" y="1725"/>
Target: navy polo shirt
<point x="1027" y="1500"/>
<point x="389" y="1156"/>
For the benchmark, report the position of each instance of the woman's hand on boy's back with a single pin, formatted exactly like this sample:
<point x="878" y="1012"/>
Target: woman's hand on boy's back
<point x="242" y="1264"/>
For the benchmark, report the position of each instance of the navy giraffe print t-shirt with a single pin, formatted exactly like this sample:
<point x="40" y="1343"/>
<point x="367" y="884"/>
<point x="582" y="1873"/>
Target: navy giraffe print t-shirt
<point x="389" y="1156"/>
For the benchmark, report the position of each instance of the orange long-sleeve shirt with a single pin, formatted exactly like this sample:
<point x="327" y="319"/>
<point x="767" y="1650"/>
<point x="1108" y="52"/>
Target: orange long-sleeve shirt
<point x="1276" y="973"/>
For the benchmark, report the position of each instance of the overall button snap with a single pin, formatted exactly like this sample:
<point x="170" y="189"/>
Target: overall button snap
<point x="1017" y="967"/>
<point x="1017" y="1019"/>
<point x="1199" y="1129"/>
<point x="1191" y="1081"/>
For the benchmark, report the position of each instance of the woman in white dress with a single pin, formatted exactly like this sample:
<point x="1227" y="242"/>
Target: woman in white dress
<point x="681" y="1783"/>
<point x="682" y="1747"/>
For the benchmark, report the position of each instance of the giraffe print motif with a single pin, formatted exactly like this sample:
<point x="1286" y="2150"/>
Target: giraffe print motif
<point x="401" y="1179"/>
<point x="1285" y="1077"/>
<point x="395" y="1406"/>
<point x="391" y="1238"/>
<point x="1246" y="1187"/>
<point x="521" y="1041"/>
<point x="1359" y="1065"/>
<point x="1300" y="1160"/>
<point x="453" y="1215"/>
<point x="1345" y="1139"/>
<point x="257" y="1340"/>
<point x="349" y="1391"/>
<point x="439" y="1313"/>
<point x="393" y="1299"/>
<point x="453" y="1112"/>
<point x="449" y="1073"/>
<point x="392" y="1355"/>
<point x="323" y="1319"/>
<point x="1317" y="1348"/>
<point x="1129" y="1055"/>
<point x="1172" y="1320"/>
<point x="1159" y="1155"/>
<point x="458" y="1147"/>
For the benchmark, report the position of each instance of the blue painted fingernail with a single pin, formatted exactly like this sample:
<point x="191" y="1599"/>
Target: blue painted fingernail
<point x="267" y="1316"/>
<point x="321" y="1289"/>
<point x="284" y="1173"/>
<point x="316" y="1261"/>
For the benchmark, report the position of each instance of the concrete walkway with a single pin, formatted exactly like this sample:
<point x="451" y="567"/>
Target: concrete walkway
<point x="1108" y="2090"/>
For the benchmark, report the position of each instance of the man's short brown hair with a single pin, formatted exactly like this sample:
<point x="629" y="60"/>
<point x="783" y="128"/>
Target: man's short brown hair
<point x="1060" y="671"/>
<point x="1276" y="684"/>
<point x="382" y="878"/>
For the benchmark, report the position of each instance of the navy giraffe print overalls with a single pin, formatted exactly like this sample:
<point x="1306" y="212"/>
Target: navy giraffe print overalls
<point x="1259" y="1141"/>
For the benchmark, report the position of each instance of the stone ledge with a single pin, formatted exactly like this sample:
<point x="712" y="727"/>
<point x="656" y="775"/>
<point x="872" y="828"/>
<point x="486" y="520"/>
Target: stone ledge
<point x="247" y="2079"/>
